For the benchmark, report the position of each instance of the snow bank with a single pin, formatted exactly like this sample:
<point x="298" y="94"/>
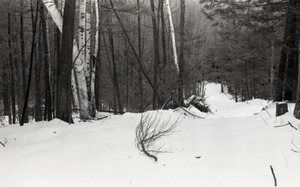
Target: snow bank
<point x="233" y="147"/>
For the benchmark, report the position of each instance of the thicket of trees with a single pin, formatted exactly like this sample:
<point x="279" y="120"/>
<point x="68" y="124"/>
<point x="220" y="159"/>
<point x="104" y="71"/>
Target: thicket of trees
<point x="59" y="56"/>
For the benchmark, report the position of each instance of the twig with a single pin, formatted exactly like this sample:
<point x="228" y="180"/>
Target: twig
<point x="274" y="177"/>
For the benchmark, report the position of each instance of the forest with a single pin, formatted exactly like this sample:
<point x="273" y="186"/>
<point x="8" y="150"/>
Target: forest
<point x="149" y="93"/>
<point x="60" y="57"/>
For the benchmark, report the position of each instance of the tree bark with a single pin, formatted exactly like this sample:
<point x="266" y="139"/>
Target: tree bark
<point x="11" y="70"/>
<point x="64" y="69"/>
<point x="78" y="61"/>
<point x="287" y="70"/>
<point x="33" y="45"/>
<point x="37" y="69"/>
<point x="141" y="90"/>
<point x="172" y="35"/>
<point x="48" y="100"/>
<point x="181" y="53"/>
<point x="115" y="74"/>
<point x="23" y="59"/>
<point x="156" y="55"/>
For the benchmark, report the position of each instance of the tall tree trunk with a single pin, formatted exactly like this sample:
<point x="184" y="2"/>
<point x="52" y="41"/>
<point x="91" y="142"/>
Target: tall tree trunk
<point x="64" y="69"/>
<point x="11" y="70"/>
<point x="181" y="53"/>
<point x="156" y="55"/>
<point x="48" y="100"/>
<point x="287" y="70"/>
<point x="141" y="94"/>
<point x="23" y="59"/>
<point x="172" y="32"/>
<point x="115" y="74"/>
<point x="297" y="106"/>
<point x="78" y="61"/>
<point x="163" y="34"/>
<point x="33" y="45"/>
<point x="37" y="69"/>
<point x="98" y="58"/>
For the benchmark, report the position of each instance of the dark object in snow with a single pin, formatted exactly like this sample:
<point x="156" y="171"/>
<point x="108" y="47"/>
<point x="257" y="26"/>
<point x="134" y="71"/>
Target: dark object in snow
<point x="281" y="108"/>
<point x="3" y="143"/>
<point x="197" y="157"/>
<point x="199" y="103"/>
<point x="274" y="177"/>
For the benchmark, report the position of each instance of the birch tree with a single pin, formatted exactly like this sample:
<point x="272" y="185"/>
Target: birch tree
<point x="78" y="61"/>
<point x="172" y="31"/>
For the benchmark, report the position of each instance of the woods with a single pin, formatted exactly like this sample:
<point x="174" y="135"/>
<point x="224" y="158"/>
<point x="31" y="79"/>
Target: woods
<point x="61" y="58"/>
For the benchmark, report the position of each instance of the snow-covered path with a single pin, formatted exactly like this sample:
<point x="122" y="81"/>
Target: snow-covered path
<point x="234" y="147"/>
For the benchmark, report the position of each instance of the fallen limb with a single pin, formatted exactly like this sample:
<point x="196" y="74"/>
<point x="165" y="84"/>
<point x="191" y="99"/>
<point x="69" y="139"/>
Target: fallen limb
<point x="288" y="124"/>
<point x="274" y="176"/>
<point x="5" y="141"/>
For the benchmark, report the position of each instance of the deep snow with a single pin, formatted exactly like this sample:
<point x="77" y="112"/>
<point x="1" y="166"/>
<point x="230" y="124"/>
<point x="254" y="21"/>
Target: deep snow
<point x="232" y="147"/>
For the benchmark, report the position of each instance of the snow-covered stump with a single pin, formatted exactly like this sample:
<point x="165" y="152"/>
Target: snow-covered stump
<point x="150" y="129"/>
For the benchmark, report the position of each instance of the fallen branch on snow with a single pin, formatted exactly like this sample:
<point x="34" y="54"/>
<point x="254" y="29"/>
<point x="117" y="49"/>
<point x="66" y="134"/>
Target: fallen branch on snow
<point x="288" y="124"/>
<point x="274" y="176"/>
<point x="5" y="141"/>
<point x="150" y="129"/>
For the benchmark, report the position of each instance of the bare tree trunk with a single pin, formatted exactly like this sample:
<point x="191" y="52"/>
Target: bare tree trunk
<point x="172" y="32"/>
<point x="98" y="60"/>
<point x="140" y="58"/>
<point x="287" y="69"/>
<point x="37" y="69"/>
<point x="156" y="55"/>
<point x="23" y="59"/>
<point x="33" y="45"/>
<point x="115" y="74"/>
<point x="11" y="70"/>
<point x="48" y="100"/>
<point x="163" y="34"/>
<point x="181" y="53"/>
<point x="64" y="69"/>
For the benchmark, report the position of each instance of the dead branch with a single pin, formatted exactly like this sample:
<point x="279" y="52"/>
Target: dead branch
<point x="274" y="176"/>
<point x="288" y="124"/>
<point x="150" y="129"/>
<point x="5" y="141"/>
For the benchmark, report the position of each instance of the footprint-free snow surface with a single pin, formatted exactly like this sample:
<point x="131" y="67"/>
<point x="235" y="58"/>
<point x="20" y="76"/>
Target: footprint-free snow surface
<point x="237" y="145"/>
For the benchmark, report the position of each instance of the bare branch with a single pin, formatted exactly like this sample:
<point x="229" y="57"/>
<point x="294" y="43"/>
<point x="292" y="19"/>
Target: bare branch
<point x="150" y="129"/>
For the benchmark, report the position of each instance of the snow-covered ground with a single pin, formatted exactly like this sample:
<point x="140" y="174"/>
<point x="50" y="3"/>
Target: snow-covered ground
<point x="235" y="146"/>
